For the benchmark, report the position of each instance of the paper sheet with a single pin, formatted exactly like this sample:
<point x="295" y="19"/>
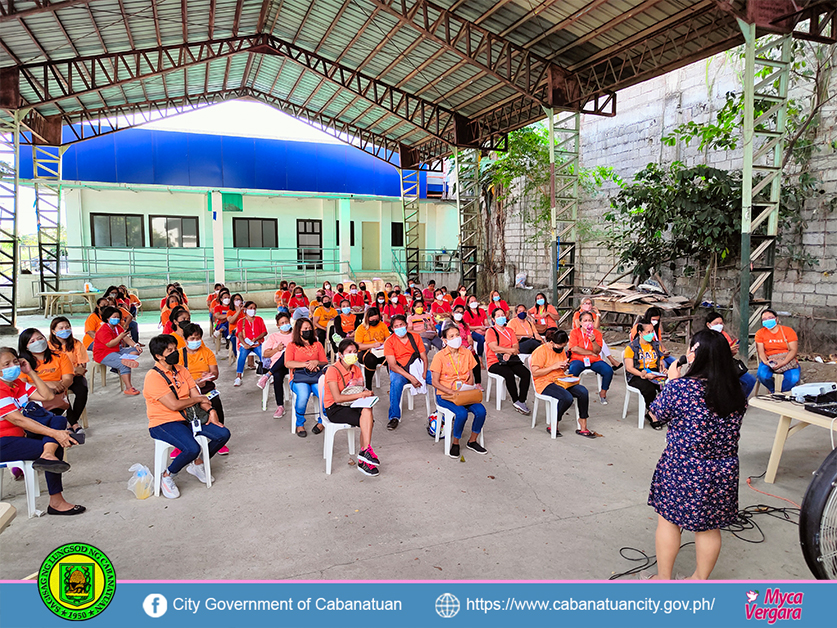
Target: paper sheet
<point x="417" y="371"/>
<point x="366" y="402"/>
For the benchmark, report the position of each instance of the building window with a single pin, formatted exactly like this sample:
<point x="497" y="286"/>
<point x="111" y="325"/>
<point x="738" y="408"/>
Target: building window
<point x="174" y="231"/>
<point x="397" y="234"/>
<point x="351" y="233"/>
<point x="124" y="231"/>
<point x="250" y="233"/>
<point x="309" y="243"/>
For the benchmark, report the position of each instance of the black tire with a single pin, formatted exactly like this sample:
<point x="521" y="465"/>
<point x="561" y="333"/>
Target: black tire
<point x="818" y="521"/>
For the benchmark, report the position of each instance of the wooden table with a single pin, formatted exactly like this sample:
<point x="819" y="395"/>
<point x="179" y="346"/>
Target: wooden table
<point x="787" y="413"/>
<point x="52" y="300"/>
<point x="639" y="309"/>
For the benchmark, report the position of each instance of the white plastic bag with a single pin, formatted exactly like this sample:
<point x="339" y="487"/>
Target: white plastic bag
<point x="141" y="483"/>
<point x="520" y="280"/>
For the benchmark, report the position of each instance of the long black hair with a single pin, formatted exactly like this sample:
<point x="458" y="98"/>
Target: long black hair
<point x="23" y="347"/>
<point x="69" y="344"/>
<point x="714" y="365"/>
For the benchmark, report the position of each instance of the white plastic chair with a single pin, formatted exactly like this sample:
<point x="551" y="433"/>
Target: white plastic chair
<point x="269" y="387"/>
<point x="551" y="409"/>
<point x="598" y="377"/>
<point x="628" y="390"/>
<point x="410" y="400"/>
<point x="162" y="449"/>
<point x="331" y="430"/>
<point x="499" y="393"/>
<point x="83" y="418"/>
<point x="449" y="418"/>
<point x="30" y="481"/>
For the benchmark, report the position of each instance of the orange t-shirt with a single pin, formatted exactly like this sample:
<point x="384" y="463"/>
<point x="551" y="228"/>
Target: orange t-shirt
<point x="378" y="333"/>
<point x="578" y="338"/>
<point x="155" y="388"/>
<point x="53" y="370"/>
<point x="540" y="313"/>
<point x="452" y="368"/>
<point x="199" y="361"/>
<point x="295" y="353"/>
<point x="352" y="377"/>
<point x="543" y="357"/>
<point x="166" y="313"/>
<point x="506" y="337"/>
<point x="776" y="342"/>
<point x="91" y="325"/>
<point x="522" y="329"/>
<point x="77" y="356"/>
<point x="402" y="351"/>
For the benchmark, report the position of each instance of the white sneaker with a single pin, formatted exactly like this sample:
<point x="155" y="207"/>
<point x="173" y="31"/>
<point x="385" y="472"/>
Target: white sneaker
<point x="168" y="487"/>
<point x="237" y="381"/>
<point x="603" y="401"/>
<point x="199" y="472"/>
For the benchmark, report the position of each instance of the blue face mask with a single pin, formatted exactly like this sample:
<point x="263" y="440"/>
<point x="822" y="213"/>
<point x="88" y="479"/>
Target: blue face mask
<point x="64" y="333"/>
<point x="400" y="331"/>
<point x="346" y="310"/>
<point x="540" y="301"/>
<point x="193" y="345"/>
<point x="770" y="323"/>
<point x="496" y="297"/>
<point x="10" y="373"/>
<point x="114" y="321"/>
<point x="500" y="321"/>
<point x="285" y="328"/>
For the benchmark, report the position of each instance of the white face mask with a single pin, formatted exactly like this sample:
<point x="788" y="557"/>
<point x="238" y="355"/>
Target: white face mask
<point x="237" y="302"/>
<point x="394" y="300"/>
<point x="353" y="290"/>
<point x="251" y="312"/>
<point x="457" y="316"/>
<point x="439" y="297"/>
<point x="474" y="305"/>
<point x="719" y="328"/>
<point x="225" y="301"/>
<point x="454" y="343"/>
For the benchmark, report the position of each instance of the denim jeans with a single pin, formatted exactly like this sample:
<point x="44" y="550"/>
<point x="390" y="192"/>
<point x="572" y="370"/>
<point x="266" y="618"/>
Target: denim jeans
<point x="303" y="392"/>
<point x="748" y="382"/>
<point x="460" y="414"/>
<point x="600" y="367"/>
<point x="133" y="330"/>
<point x="179" y="434"/>
<point x="565" y="399"/>
<point x="115" y="362"/>
<point x="765" y="376"/>
<point x="31" y="446"/>
<point x="397" y="382"/>
<point x="479" y="340"/>
<point x="244" y="352"/>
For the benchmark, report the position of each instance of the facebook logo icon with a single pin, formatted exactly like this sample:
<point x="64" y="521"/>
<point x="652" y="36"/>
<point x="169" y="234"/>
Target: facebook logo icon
<point x="155" y="605"/>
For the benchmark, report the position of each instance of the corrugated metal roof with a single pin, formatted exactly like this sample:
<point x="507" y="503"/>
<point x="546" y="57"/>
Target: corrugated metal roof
<point x="602" y="46"/>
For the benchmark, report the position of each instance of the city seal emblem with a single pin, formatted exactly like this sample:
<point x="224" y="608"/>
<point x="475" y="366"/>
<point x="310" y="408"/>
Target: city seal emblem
<point x="77" y="581"/>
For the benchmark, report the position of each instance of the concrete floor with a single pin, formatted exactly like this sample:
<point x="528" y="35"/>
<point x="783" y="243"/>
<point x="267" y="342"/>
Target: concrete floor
<point x="533" y="508"/>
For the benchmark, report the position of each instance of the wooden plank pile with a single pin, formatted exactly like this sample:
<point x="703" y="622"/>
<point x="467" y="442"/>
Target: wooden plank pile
<point x="651" y="293"/>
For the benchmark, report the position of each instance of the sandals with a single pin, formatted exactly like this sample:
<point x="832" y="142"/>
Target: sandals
<point x="657" y="425"/>
<point x="131" y="392"/>
<point x="586" y="433"/>
<point x="557" y="433"/>
<point x="317" y="429"/>
<point x="617" y="367"/>
<point x="302" y="433"/>
<point x="53" y="466"/>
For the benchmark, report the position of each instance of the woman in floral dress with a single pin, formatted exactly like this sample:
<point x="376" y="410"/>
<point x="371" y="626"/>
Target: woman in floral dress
<point x="695" y="485"/>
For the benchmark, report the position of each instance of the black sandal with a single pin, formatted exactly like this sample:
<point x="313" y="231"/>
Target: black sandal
<point x="586" y="433"/>
<point x="318" y="428"/>
<point x="53" y="466"/>
<point x="558" y="434"/>
<point x="302" y="433"/>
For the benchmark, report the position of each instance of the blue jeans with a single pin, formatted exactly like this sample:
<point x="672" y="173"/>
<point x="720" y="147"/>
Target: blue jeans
<point x="244" y="352"/>
<point x="179" y="434"/>
<point x="601" y="367"/>
<point x="669" y="361"/>
<point x="765" y="376"/>
<point x="479" y="340"/>
<point x="460" y="414"/>
<point x="748" y="382"/>
<point x="133" y="329"/>
<point x="115" y="362"/>
<point x="565" y="399"/>
<point x="303" y="392"/>
<point x="397" y="382"/>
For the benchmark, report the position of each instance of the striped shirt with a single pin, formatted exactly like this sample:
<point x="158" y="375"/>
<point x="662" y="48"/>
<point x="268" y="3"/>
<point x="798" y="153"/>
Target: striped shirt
<point x="13" y="397"/>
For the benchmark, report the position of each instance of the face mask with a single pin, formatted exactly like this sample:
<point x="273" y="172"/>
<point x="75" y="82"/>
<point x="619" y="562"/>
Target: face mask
<point x="463" y="292"/>
<point x="327" y="286"/>
<point x="400" y="331"/>
<point x="521" y="316"/>
<point x="346" y="310"/>
<point x="217" y="290"/>
<point x="500" y="321"/>
<point x="382" y="301"/>
<point x="363" y="287"/>
<point x="114" y="321"/>
<point x="172" y="358"/>
<point x="350" y="358"/>
<point x="588" y="325"/>
<point x="412" y="285"/>
<point x="770" y="323"/>
<point x="394" y="300"/>
<point x="496" y="297"/>
<point x="719" y="328"/>
<point x="439" y="297"/>
<point x="455" y="343"/>
<point x="39" y="346"/>
<point x="251" y="312"/>
<point x="307" y="334"/>
<point x="419" y="310"/>
<point x="398" y="291"/>
<point x="457" y="316"/>
<point x="557" y="349"/>
<point x="340" y="289"/>
<point x="237" y="302"/>
<point x="193" y="345"/>
<point x="225" y="301"/>
<point x="327" y="304"/>
<point x="586" y="307"/>
<point x="182" y="324"/>
<point x="540" y="301"/>
<point x="10" y="374"/>
<point x="353" y="291"/>
<point x="298" y="295"/>
<point x="655" y="322"/>
<point x="648" y="337"/>
<point x="285" y="328"/>
<point x="474" y="305"/>
<point x="374" y="321"/>
<point x="64" y="333"/>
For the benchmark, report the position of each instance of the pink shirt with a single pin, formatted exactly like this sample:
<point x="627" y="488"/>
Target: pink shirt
<point x="273" y="340"/>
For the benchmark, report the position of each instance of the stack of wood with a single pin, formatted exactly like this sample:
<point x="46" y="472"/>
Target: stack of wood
<point x="652" y="293"/>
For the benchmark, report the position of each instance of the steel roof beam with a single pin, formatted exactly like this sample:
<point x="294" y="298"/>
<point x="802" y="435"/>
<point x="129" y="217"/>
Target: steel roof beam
<point x="7" y="15"/>
<point x="566" y="22"/>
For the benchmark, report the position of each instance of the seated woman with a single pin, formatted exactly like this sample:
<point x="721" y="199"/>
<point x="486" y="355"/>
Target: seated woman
<point x="273" y="351"/>
<point x="477" y="320"/>
<point x="587" y="306"/>
<point x="461" y="298"/>
<point x="112" y="343"/>
<point x="495" y="301"/>
<point x="322" y="316"/>
<point x="305" y="358"/>
<point x="298" y="300"/>
<point x="503" y="357"/>
<point x="134" y="301"/>
<point x="251" y="332"/>
<point x="715" y="322"/>
<point x="345" y="323"/>
<point x="440" y="309"/>
<point x="220" y="324"/>
<point x="340" y="293"/>
<point x="203" y="366"/>
<point x="61" y="340"/>
<point x="172" y="301"/>
<point x="367" y="296"/>
<point x="544" y="316"/>
<point x="169" y="390"/>
<point x="549" y="364"/>
<point x="467" y="341"/>
<point x="654" y="314"/>
<point x="355" y="298"/>
<point x="402" y="350"/>
<point x="53" y="367"/>
<point x="524" y="328"/>
<point x="41" y="437"/>
<point x="645" y="367"/>
<point x="370" y="337"/>
<point x="451" y="368"/>
<point x="586" y="346"/>
<point x="392" y="308"/>
<point x="777" y="346"/>
<point x="420" y="322"/>
<point x="343" y="374"/>
<point x="93" y="322"/>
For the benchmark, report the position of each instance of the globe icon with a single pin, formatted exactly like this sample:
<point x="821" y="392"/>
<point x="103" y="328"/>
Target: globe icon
<point x="447" y="605"/>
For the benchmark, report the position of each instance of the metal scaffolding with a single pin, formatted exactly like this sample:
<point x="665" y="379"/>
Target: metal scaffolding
<point x="564" y="149"/>
<point x="467" y="165"/>
<point x="9" y="185"/>
<point x="766" y="77"/>
<point x="410" y="205"/>
<point x="46" y="168"/>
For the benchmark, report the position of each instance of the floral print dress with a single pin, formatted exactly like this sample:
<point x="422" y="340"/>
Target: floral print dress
<point x="695" y="484"/>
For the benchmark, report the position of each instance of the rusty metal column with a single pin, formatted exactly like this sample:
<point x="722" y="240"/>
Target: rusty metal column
<point x="9" y="187"/>
<point x="467" y="164"/>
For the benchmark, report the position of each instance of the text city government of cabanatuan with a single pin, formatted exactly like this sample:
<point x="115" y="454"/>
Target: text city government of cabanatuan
<point x="320" y="604"/>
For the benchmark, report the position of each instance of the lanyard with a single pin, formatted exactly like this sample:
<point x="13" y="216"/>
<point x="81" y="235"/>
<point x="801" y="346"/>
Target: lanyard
<point x="456" y="366"/>
<point x="502" y="330"/>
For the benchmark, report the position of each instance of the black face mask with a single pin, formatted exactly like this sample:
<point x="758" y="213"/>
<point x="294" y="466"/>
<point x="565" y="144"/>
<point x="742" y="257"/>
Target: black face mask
<point x="172" y="358"/>
<point x="374" y="321"/>
<point x="183" y="324"/>
<point x="307" y="334"/>
<point x="326" y="304"/>
<point x="363" y="287"/>
<point x="398" y="292"/>
<point x="557" y="349"/>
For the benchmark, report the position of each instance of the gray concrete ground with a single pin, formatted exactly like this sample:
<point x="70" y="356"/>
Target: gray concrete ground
<point x="533" y="508"/>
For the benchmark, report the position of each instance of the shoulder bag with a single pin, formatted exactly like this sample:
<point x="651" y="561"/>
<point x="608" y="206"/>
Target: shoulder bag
<point x="192" y="413"/>
<point x="793" y="364"/>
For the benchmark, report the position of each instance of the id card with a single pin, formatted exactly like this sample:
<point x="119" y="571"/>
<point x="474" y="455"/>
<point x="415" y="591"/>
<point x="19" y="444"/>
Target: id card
<point x="586" y="361"/>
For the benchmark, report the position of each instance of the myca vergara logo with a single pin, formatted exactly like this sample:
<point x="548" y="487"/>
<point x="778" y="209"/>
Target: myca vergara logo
<point x="77" y="581"/>
<point x="777" y="606"/>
